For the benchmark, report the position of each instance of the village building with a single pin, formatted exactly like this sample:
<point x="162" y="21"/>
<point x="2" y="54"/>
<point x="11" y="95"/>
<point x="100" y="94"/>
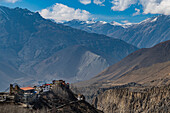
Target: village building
<point x="80" y="97"/>
<point x="28" y="90"/>
<point x="46" y="87"/>
<point x="5" y="97"/>
<point x="15" y="89"/>
<point x="29" y="94"/>
<point x="38" y="89"/>
<point x="61" y="83"/>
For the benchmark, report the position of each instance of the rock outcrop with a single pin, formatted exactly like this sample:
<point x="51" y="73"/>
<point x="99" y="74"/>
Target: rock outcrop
<point x="130" y="100"/>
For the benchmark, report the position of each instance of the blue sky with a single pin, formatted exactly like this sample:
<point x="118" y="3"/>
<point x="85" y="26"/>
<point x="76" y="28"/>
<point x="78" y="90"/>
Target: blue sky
<point x="132" y="11"/>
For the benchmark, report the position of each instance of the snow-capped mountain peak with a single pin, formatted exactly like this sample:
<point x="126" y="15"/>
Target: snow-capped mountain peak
<point x="90" y="22"/>
<point x="103" y="22"/>
<point x="115" y="23"/>
<point x="149" y="20"/>
<point x="126" y="25"/>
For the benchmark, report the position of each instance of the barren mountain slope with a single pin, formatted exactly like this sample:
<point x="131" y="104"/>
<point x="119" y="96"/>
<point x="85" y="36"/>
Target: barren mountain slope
<point x="138" y="61"/>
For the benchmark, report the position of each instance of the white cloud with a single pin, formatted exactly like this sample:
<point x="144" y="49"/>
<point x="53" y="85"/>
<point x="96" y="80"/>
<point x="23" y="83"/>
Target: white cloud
<point x="85" y="2"/>
<point x="10" y="1"/>
<point x="149" y="6"/>
<point x="60" y="13"/>
<point x="137" y="12"/>
<point x="99" y="2"/>
<point x="121" y="5"/>
<point x="156" y="6"/>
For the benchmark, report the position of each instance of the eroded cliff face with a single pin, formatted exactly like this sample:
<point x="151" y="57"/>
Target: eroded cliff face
<point x="130" y="100"/>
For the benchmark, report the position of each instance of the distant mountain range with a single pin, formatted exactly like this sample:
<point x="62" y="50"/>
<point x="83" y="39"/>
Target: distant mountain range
<point x="148" y="67"/>
<point x="143" y="35"/>
<point x="34" y="49"/>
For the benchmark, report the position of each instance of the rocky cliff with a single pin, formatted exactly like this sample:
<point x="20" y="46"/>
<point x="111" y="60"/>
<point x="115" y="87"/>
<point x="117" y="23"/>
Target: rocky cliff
<point x="134" y="100"/>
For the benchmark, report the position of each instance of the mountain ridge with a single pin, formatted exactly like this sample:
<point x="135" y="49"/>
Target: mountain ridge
<point x="138" y="61"/>
<point x="27" y="39"/>
<point x="145" y="34"/>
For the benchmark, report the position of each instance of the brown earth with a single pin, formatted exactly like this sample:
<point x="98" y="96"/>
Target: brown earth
<point x="129" y="100"/>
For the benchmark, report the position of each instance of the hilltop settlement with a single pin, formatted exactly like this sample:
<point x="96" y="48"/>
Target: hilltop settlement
<point x="28" y="96"/>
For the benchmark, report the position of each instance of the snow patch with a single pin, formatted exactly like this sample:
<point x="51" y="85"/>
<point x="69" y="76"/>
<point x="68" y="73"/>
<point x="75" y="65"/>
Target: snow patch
<point x="154" y="19"/>
<point x="90" y="22"/>
<point x="115" y="23"/>
<point x="103" y="22"/>
<point x="145" y="21"/>
<point x="122" y="25"/>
